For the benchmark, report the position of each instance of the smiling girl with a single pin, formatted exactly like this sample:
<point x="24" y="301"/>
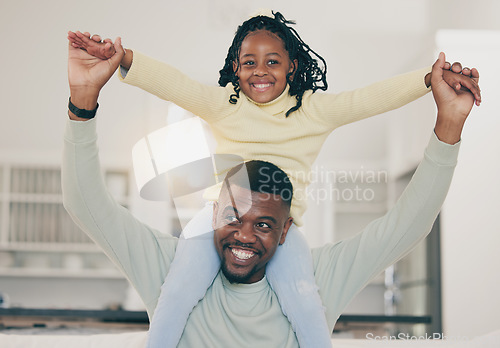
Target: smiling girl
<point x="265" y="109"/>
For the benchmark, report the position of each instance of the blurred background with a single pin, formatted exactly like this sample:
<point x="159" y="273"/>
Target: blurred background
<point x="46" y="262"/>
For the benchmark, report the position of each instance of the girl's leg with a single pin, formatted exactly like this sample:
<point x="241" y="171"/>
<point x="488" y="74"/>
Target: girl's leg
<point x="193" y="269"/>
<point x="291" y="275"/>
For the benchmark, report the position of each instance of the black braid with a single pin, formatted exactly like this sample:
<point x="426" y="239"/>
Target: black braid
<point x="308" y="74"/>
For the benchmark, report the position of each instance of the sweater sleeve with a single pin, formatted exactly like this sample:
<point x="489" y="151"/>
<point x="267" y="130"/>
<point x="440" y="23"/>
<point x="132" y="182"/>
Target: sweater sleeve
<point x="140" y="252"/>
<point x="343" y="269"/>
<point x="336" y="110"/>
<point x="208" y="102"/>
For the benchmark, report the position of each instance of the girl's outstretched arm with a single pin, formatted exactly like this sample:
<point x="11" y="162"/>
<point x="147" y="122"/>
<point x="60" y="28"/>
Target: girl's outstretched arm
<point x="158" y="78"/>
<point x="95" y="46"/>
<point x="346" y="107"/>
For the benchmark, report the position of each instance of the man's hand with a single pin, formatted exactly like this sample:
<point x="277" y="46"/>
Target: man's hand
<point x="103" y="49"/>
<point x="454" y="104"/>
<point x="460" y="78"/>
<point x="95" y="46"/>
<point x="88" y="74"/>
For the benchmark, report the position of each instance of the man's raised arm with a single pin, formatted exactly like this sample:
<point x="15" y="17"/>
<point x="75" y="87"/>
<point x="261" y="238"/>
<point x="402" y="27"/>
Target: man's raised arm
<point x="453" y="105"/>
<point x="343" y="269"/>
<point x="140" y="252"/>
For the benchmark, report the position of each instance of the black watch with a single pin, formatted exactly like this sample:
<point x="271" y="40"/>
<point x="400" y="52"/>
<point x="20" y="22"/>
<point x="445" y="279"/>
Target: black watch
<point x="83" y="113"/>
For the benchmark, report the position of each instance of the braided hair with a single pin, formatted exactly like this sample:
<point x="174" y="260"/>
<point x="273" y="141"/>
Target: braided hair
<point x="307" y="74"/>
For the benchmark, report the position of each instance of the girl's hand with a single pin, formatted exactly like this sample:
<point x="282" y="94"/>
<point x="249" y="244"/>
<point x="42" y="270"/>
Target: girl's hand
<point x="102" y="49"/>
<point x="93" y="45"/>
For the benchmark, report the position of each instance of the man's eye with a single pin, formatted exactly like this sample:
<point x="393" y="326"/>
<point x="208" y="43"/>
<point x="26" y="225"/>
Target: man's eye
<point x="231" y="219"/>
<point x="263" y="225"/>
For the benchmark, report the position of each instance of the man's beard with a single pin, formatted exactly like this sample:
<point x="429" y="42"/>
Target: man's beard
<point x="236" y="278"/>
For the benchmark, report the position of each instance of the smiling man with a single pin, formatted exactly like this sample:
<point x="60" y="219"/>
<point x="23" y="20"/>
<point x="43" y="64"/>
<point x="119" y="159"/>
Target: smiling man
<point x="251" y="220"/>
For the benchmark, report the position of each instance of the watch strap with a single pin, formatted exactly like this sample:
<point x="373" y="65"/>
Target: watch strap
<point x="83" y="113"/>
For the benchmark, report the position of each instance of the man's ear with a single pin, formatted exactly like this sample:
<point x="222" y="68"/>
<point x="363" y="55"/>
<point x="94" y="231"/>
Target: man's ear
<point x="214" y="217"/>
<point x="286" y="227"/>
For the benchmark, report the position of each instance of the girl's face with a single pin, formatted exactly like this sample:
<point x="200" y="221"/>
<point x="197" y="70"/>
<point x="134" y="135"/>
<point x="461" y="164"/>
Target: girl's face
<point x="264" y="64"/>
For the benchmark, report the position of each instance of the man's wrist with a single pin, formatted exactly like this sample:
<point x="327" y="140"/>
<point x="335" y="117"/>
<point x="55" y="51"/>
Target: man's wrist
<point x="84" y="98"/>
<point x="87" y="101"/>
<point x="82" y="113"/>
<point x="448" y="130"/>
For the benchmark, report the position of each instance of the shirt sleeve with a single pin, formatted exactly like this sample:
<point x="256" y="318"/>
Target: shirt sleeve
<point x="140" y="252"/>
<point x="343" y="269"/>
<point x="339" y="109"/>
<point x="208" y="102"/>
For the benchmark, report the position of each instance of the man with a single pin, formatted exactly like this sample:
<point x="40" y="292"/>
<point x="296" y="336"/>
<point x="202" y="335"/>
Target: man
<point x="240" y="309"/>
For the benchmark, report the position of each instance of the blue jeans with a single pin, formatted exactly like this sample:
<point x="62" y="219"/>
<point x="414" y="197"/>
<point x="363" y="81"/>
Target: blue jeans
<point x="290" y="273"/>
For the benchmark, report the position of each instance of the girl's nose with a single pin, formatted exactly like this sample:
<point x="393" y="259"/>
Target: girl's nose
<point x="260" y="70"/>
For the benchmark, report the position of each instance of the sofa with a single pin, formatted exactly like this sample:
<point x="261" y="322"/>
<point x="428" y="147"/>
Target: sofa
<point x="138" y="339"/>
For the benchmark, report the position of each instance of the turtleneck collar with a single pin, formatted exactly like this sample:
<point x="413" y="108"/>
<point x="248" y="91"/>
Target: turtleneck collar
<point x="244" y="288"/>
<point x="279" y="105"/>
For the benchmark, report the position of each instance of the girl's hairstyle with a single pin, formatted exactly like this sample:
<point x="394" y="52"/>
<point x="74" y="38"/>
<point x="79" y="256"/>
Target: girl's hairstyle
<point x="308" y="74"/>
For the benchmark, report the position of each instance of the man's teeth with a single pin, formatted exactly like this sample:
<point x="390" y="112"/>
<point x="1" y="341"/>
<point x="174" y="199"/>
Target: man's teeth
<point x="242" y="254"/>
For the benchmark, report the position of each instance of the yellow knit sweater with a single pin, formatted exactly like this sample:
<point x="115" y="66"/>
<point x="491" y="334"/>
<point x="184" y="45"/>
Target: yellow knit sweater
<point x="261" y="131"/>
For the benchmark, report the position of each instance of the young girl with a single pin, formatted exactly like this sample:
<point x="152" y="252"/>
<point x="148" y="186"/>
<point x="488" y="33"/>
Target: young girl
<point x="266" y="109"/>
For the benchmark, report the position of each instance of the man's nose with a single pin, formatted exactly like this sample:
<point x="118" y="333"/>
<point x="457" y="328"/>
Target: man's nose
<point x="245" y="234"/>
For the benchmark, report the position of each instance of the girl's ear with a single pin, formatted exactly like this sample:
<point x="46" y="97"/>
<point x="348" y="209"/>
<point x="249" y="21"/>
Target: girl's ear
<point x="235" y="68"/>
<point x="293" y="68"/>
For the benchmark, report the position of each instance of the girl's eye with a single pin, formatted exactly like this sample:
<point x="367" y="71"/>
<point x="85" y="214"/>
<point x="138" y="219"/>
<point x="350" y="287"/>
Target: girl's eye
<point x="248" y="63"/>
<point x="271" y="62"/>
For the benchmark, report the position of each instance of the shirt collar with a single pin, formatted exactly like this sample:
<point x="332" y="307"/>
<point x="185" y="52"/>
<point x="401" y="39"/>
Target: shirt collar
<point x="244" y="288"/>
<point x="277" y="106"/>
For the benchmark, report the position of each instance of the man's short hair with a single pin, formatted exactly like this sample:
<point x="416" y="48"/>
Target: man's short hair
<point x="263" y="177"/>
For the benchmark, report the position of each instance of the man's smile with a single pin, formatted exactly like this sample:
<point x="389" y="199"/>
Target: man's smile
<point x="242" y="254"/>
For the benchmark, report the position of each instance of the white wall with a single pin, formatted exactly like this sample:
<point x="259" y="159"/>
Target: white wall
<point x="470" y="260"/>
<point x="470" y="224"/>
